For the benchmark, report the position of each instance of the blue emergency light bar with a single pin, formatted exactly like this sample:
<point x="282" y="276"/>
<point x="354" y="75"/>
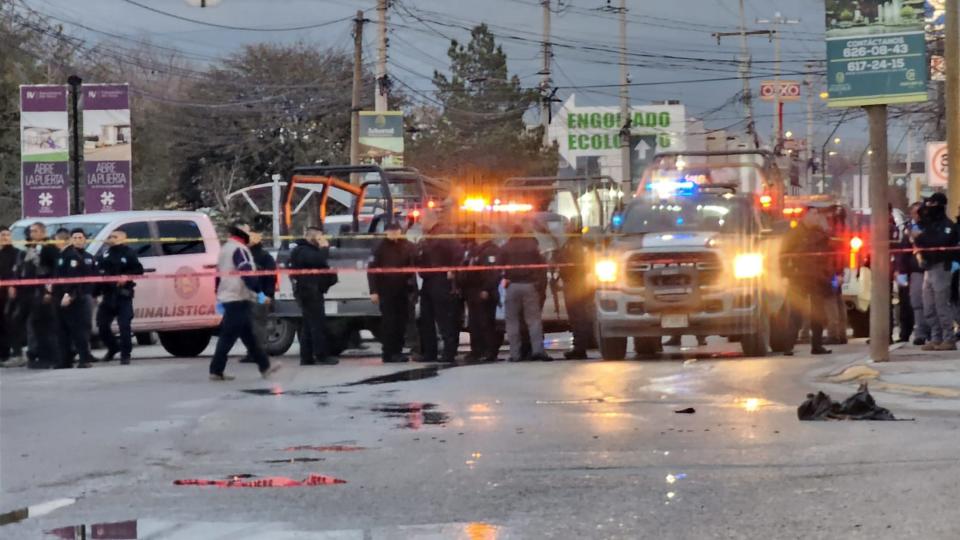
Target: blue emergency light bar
<point x="673" y="188"/>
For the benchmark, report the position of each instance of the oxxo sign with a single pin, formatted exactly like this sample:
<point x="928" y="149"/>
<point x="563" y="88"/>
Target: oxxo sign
<point x="937" y="171"/>
<point x="789" y="90"/>
<point x="595" y="131"/>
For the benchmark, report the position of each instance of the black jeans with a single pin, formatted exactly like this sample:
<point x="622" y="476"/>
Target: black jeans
<point x="115" y="306"/>
<point x="482" y="320"/>
<point x="237" y="324"/>
<point x="810" y="303"/>
<point x="394" y="312"/>
<point x="75" y="331"/>
<point x="580" y="311"/>
<point x="437" y="312"/>
<point x="313" y="329"/>
<point x="12" y="331"/>
<point x="906" y="313"/>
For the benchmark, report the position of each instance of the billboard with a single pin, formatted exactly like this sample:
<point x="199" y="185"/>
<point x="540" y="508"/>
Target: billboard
<point x="381" y="137"/>
<point x="592" y="134"/>
<point x="107" y="139"/>
<point x="876" y="52"/>
<point x="44" y="151"/>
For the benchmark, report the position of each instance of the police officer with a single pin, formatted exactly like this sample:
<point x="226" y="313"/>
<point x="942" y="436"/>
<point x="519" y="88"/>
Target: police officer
<point x="392" y="291"/>
<point x="311" y="254"/>
<point x="37" y="261"/>
<point x="268" y="289"/>
<point x="480" y="291"/>
<point x="116" y="297"/>
<point x="577" y="292"/>
<point x="237" y="294"/>
<point x="438" y="250"/>
<point x="909" y="271"/>
<point x="936" y="239"/>
<point x="74" y="300"/>
<point x="523" y="293"/>
<point x="11" y="331"/>
<point x="810" y="273"/>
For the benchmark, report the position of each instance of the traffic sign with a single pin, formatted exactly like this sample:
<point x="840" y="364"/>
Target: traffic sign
<point x="937" y="171"/>
<point x="789" y="90"/>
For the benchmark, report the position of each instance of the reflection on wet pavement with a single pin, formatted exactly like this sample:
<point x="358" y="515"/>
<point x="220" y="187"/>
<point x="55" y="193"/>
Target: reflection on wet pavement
<point x="293" y="460"/>
<point x="36" y="510"/>
<point x="416" y="415"/>
<point x="278" y="391"/>
<point x="400" y="376"/>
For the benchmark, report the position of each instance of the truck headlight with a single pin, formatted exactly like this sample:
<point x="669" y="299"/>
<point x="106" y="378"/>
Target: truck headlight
<point x="748" y="265"/>
<point x="606" y="270"/>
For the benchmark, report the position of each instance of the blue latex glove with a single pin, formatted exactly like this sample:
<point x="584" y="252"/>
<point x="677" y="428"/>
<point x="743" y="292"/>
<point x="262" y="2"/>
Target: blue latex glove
<point x="902" y="280"/>
<point x="955" y="267"/>
<point x="261" y="298"/>
<point x="219" y="308"/>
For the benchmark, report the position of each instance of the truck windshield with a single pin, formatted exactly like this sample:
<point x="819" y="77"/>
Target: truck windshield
<point x="714" y="214"/>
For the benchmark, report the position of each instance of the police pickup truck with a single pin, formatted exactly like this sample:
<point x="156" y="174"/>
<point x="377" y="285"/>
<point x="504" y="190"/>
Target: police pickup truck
<point x="691" y="257"/>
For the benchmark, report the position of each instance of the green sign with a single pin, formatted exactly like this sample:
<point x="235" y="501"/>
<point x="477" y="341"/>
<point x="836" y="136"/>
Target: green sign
<point x="381" y="136"/>
<point x="876" y="52"/>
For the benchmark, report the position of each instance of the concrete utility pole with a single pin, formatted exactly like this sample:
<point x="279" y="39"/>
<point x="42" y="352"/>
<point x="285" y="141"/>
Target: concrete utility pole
<point x="745" y="69"/>
<point x="880" y="233"/>
<point x="808" y="151"/>
<point x="777" y="21"/>
<point x="357" y="83"/>
<point x="626" y="169"/>
<point x="545" y="82"/>
<point x="383" y="85"/>
<point x="952" y="60"/>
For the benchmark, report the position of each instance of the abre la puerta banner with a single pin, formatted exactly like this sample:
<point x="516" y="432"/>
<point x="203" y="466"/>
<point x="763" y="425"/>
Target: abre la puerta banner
<point x="44" y="151"/>
<point x="107" y="139"/>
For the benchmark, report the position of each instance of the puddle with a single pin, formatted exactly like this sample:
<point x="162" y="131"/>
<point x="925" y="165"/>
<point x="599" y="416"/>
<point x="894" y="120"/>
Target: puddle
<point x="328" y="448"/>
<point x="293" y="460"/>
<point x="246" y="481"/>
<point x="415" y="415"/>
<point x="589" y="401"/>
<point x="276" y="391"/>
<point x="401" y="376"/>
<point x="20" y="514"/>
<point x="120" y="530"/>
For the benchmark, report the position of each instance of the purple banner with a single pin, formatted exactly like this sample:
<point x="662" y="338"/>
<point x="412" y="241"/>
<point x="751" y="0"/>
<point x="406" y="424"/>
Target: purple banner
<point x="46" y="189"/>
<point x="108" y="187"/>
<point x="107" y="140"/>
<point x="43" y="98"/>
<point x="103" y="97"/>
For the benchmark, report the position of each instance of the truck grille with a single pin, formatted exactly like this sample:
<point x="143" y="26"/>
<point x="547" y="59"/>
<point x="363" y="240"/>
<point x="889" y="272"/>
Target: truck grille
<point x="707" y="264"/>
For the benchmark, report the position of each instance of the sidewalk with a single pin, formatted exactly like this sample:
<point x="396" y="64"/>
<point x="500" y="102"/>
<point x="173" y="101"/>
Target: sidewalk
<point x="930" y="380"/>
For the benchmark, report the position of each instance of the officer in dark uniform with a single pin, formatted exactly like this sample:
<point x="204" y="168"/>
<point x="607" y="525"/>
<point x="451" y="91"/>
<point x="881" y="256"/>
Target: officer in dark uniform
<point x="311" y="254"/>
<point x="116" y="297"/>
<point x="438" y="250"/>
<point x="392" y="291"/>
<point x="810" y="272"/>
<point x="74" y="300"/>
<point x="480" y="291"/>
<point x="38" y="260"/>
<point x="262" y="260"/>
<point x="577" y="292"/>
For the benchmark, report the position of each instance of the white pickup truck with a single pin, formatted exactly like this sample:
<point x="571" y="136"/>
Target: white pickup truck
<point x="181" y="309"/>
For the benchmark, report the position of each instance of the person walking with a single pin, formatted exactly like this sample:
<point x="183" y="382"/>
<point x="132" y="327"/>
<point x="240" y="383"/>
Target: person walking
<point x="11" y="331"/>
<point x="936" y="243"/>
<point x="480" y="291"/>
<point x="74" y="300"/>
<point x="578" y="292"/>
<point x="810" y="273"/>
<point x="38" y="261"/>
<point x="437" y="304"/>
<point x="523" y="285"/>
<point x="237" y="294"/>
<point x="116" y="297"/>
<point x="268" y="289"/>
<point x="910" y="276"/>
<point x="391" y="291"/>
<point x="312" y="253"/>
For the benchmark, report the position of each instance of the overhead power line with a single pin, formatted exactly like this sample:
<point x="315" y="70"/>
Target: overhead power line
<point x="241" y="28"/>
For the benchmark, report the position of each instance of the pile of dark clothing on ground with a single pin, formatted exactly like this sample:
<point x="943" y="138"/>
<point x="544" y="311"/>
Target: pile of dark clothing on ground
<point x="860" y="406"/>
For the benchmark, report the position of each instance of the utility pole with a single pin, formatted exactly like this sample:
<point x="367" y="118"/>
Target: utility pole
<point x="626" y="169"/>
<point x="777" y="21"/>
<point x="952" y="59"/>
<point x="745" y="68"/>
<point x="879" y="232"/>
<point x="383" y="82"/>
<point x="545" y="73"/>
<point x="808" y="150"/>
<point x="75" y="136"/>
<point x="357" y="80"/>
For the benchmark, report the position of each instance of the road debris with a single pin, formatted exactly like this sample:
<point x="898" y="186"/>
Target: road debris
<point x="860" y="406"/>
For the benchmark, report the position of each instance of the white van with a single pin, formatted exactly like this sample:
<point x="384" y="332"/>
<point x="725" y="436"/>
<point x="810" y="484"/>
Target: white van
<point x="182" y="310"/>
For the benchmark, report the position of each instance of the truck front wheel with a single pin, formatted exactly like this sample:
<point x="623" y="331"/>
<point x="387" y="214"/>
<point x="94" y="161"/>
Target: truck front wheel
<point x="647" y="346"/>
<point x="185" y="343"/>
<point x="613" y="348"/>
<point x="280" y="335"/>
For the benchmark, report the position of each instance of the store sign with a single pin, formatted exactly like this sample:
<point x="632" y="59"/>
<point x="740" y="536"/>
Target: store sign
<point x="789" y="90"/>
<point x="876" y="52"/>
<point x="938" y="172"/>
<point x="107" y="142"/>
<point x="44" y="151"/>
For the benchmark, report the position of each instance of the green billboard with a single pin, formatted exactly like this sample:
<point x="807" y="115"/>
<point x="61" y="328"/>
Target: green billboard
<point x="381" y="137"/>
<point x="876" y="52"/>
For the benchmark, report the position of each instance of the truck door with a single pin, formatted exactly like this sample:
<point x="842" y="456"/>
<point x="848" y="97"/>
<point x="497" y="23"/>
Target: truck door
<point x="187" y="299"/>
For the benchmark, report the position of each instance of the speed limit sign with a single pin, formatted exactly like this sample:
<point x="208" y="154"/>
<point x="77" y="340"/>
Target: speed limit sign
<point x="937" y="171"/>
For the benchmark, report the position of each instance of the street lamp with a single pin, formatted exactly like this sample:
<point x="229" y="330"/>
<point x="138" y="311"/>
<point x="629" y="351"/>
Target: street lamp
<point x="836" y="141"/>
<point x="202" y="3"/>
<point x="788" y="135"/>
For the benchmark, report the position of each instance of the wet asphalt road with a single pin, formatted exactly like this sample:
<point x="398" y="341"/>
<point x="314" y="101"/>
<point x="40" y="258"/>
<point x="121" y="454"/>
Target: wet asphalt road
<point x="561" y="450"/>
